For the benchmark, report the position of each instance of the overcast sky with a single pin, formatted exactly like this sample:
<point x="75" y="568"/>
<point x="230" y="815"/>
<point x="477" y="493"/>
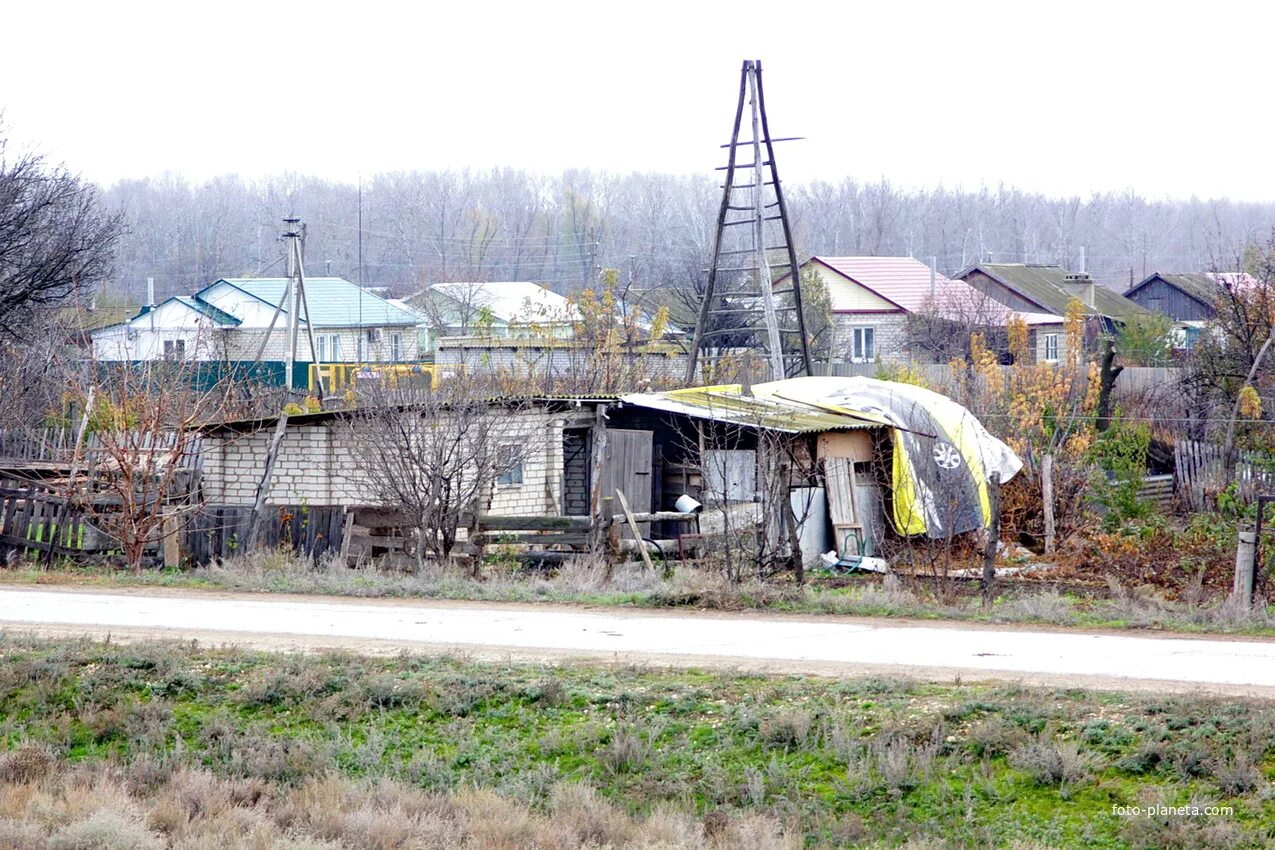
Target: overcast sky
<point x="1167" y="99"/>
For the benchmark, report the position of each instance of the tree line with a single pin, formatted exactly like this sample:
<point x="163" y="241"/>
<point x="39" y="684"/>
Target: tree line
<point x="656" y="229"/>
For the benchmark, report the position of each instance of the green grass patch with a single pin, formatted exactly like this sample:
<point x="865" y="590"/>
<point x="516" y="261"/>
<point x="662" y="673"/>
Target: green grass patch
<point x="891" y="759"/>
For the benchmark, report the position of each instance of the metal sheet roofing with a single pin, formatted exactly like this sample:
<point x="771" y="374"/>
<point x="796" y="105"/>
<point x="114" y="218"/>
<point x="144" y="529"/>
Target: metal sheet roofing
<point x="332" y="301"/>
<point x="1047" y="286"/>
<point x="216" y="314"/>
<point x="727" y="403"/>
<point x="905" y="281"/>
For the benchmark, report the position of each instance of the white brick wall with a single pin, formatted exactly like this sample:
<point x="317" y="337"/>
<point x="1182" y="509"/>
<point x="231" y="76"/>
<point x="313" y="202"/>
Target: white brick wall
<point x="890" y="334"/>
<point x="318" y="465"/>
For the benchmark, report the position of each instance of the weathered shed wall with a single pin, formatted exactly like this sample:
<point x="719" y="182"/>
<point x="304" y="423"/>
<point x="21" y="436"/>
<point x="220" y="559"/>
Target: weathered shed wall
<point x="318" y="465"/>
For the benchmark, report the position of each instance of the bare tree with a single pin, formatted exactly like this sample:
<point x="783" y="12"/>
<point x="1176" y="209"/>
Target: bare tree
<point x="55" y="240"/>
<point x="436" y="455"/>
<point x="142" y="436"/>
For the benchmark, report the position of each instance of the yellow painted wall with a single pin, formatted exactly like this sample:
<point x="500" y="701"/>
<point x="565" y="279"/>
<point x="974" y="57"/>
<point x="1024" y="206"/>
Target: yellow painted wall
<point x="846" y="295"/>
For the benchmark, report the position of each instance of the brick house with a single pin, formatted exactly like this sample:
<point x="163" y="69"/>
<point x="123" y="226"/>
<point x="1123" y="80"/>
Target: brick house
<point x="898" y="308"/>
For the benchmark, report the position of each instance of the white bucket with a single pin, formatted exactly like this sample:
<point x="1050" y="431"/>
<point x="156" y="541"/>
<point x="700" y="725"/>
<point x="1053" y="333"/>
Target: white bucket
<point x="686" y="505"/>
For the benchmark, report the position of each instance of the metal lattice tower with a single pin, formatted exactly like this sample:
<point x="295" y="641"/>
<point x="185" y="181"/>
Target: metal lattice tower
<point x="742" y="308"/>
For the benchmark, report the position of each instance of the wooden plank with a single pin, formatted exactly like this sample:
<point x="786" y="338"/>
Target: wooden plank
<point x="267" y="475"/>
<point x="839" y="480"/>
<point x="346" y="536"/>
<point x="489" y="522"/>
<point x="633" y="526"/>
<point x="658" y="516"/>
<point x="548" y="538"/>
<point x="171" y="542"/>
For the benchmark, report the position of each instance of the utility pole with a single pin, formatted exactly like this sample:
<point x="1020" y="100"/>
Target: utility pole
<point x="294" y="296"/>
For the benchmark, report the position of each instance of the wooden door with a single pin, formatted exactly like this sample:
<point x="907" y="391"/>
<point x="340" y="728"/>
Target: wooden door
<point x="626" y="465"/>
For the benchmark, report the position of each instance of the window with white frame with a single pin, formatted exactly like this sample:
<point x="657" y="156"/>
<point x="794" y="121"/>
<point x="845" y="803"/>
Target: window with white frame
<point x="863" y="344"/>
<point x="396" y="347"/>
<point x="509" y="459"/>
<point x="1051" y="348"/>
<point x="329" y="347"/>
<point x="174" y="349"/>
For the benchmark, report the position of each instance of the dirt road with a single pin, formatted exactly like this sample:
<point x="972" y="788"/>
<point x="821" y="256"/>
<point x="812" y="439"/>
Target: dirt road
<point x="836" y="646"/>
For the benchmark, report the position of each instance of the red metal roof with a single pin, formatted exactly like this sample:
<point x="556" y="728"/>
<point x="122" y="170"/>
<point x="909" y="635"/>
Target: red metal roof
<point x="905" y="281"/>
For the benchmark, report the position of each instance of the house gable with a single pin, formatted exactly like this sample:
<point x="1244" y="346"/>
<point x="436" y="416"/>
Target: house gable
<point x="847" y="295"/>
<point x="1183" y="298"/>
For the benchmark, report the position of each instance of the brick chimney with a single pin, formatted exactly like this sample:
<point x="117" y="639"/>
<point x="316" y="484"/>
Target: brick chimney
<point x="1081" y="285"/>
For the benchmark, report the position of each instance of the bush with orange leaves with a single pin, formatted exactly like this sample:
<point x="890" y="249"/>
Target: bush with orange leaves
<point x="1045" y="412"/>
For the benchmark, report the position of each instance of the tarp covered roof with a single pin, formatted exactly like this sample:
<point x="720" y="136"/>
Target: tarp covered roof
<point x="728" y="403"/>
<point x="943" y="455"/>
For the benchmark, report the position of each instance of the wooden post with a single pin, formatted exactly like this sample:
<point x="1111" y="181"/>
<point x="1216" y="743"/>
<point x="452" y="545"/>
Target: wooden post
<point x="597" y="462"/>
<point x="1245" y="552"/>
<point x="993" y="539"/>
<point x="263" y="487"/>
<point x="633" y="526"/>
<point x="1047" y="498"/>
<point x="171" y="545"/>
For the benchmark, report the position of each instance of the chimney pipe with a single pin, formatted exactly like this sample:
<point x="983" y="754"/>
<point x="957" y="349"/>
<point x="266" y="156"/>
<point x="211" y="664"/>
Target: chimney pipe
<point x="1082" y="268"/>
<point x="150" y="292"/>
<point x="934" y="261"/>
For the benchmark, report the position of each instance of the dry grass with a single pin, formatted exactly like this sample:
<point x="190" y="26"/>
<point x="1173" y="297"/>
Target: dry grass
<point x="78" y="809"/>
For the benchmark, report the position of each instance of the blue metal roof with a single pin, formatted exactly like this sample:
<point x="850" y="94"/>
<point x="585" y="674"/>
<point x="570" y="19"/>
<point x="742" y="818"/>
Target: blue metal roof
<point x="333" y="302"/>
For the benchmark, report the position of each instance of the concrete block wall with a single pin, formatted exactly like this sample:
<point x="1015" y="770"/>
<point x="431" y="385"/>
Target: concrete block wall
<point x="318" y="465"/>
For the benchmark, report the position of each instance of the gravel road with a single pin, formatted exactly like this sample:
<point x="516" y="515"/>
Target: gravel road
<point x="757" y="642"/>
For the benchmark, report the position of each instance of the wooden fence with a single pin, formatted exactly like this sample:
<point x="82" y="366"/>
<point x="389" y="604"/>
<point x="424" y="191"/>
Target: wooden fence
<point x="1201" y="473"/>
<point x="213" y="533"/>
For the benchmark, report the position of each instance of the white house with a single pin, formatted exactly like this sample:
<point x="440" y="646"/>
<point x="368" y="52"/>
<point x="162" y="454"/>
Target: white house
<point x="228" y="321"/>
<point x="502" y="309"/>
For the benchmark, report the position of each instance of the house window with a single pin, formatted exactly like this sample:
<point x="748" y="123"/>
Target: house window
<point x="508" y="465"/>
<point x="1051" y="348"/>
<point x="329" y="348"/>
<point x="863" y="344"/>
<point x="1190" y="337"/>
<point x="174" y="349"/>
<point x="396" y="347"/>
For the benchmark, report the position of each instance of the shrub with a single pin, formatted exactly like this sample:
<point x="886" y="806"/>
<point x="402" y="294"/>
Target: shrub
<point x="785" y="729"/>
<point x="1050" y="763"/>
<point x="28" y="763"/>
<point x="105" y="831"/>
<point x="1236" y="775"/>
<point x="626" y="750"/>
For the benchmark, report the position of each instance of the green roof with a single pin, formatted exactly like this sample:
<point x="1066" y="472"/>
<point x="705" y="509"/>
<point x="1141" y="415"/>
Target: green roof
<point x="333" y="302"/>
<point x="1047" y="287"/>
<point x="215" y="313"/>
<point x="1202" y="287"/>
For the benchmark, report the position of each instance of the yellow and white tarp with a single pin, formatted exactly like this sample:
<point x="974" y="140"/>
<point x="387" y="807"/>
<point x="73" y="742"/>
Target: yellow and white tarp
<point x="943" y="456"/>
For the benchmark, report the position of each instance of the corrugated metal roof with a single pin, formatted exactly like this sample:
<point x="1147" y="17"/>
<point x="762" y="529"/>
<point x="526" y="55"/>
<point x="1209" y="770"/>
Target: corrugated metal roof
<point x="727" y="403"/>
<point x="1047" y="286"/>
<point x="333" y="302"/>
<point x="905" y="281"/>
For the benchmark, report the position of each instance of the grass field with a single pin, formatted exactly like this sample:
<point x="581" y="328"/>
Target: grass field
<point x="150" y="745"/>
